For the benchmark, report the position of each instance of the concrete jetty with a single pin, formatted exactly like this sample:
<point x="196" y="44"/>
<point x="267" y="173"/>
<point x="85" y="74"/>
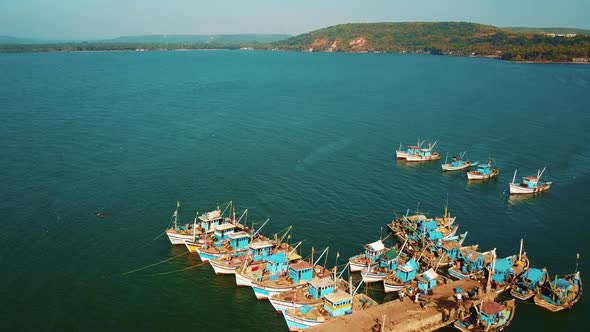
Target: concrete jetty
<point x="440" y="309"/>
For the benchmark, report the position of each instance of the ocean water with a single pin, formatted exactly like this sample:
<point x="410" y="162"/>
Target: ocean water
<point x="305" y="139"/>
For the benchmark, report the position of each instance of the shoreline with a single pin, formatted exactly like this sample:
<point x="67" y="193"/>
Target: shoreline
<point x="494" y="57"/>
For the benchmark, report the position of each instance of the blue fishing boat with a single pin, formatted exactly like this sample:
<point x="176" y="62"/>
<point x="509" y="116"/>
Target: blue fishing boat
<point x="470" y="263"/>
<point x="258" y="250"/>
<point x="561" y="293"/>
<point x="228" y="242"/>
<point x="387" y="264"/>
<point x="204" y="226"/>
<point x="427" y="281"/>
<point x="528" y="284"/>
<point x="370" y="257"/>
<point x="178" y="233"/>
<point x="404" y="274"/>
<point x="506" y="271"/>
<point x="423" y="154"/>
<point x="278" y="279"/>
<point x="401" y="153"/>
<point x="333" y="305"/>
<point x="276" y="263"/>
<point x="488" y="316"/>
<point x="483" y="172"/>
<point x="310" y="295"/>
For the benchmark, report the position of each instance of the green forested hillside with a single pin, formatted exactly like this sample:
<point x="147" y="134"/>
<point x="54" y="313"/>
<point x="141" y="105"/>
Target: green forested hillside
<point x="451" y="38"/>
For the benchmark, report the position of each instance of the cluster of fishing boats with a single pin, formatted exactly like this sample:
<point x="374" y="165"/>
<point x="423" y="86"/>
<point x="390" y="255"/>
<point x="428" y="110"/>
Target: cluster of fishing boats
<point x="427" y="252"/>
<point x="305" y="291"/>
<point x="475" y="170"/>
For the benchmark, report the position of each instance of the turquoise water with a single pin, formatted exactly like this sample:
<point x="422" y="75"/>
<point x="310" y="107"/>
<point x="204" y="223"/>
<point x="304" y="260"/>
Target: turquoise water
<point x="306" y="139"/>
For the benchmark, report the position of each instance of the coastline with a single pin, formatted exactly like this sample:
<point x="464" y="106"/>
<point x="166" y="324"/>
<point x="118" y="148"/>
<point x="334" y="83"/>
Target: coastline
<point x="495" y="57"/>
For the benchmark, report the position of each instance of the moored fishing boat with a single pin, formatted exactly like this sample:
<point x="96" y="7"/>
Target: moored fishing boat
<point x="228" y="242"/>
<point x="333" y="305"/>
<point x="561" y="293"/>
<point x="529" y="184"/>
<point x="423" y="154"/>
<point x="457" y="163"/>
<point x="483" y="172"/>
<point x="400" y="153"/>
<point x="403" y="275"/>
<point x="528" y="284"/>
<point x="370" y="257"/>
<point x="470" y="263"/>
<point x="298" y="274"/>
<point x="388" y="263"/>
<point x="204" y="226"/>
<point x="177" y="234"/>
<point x="276" y="263"/>
<point x="488" y="316"/>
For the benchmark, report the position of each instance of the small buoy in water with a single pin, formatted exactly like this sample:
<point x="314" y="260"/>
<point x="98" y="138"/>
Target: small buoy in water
<point x="100" y="215"/>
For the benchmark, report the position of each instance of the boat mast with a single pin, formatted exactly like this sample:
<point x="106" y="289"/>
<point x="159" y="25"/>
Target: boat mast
<point x="520" y="251"/>
<point x="195" y="227"/>
<point x="491" y="274"/>
<point x="514" y="177"/>
<point x="540" y="174"/>
<point x="176" y="216"/>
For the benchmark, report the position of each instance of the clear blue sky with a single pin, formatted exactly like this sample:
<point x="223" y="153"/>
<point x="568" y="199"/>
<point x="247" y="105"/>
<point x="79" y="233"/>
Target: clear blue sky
<point x="91" y="19"/>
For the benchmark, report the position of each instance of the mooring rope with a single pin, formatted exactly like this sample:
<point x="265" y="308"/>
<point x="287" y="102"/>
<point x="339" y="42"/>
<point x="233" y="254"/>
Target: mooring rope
<point x="175" y="271"/>
<point x="157" y="263"/>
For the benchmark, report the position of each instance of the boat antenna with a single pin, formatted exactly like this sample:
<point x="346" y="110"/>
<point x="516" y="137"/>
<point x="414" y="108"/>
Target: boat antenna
<point x="520" y="251"/>
<point x="577" y="258"/>
<point x="312" y="252"/>
<point x="336" y="263"/>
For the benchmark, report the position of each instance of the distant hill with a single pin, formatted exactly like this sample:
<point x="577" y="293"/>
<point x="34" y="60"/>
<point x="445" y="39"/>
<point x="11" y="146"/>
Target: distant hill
<point x="217" y="39"/>
<point x="547" y="30"/>
<point x="18" y="40"/>
<point x="448" y="38"/>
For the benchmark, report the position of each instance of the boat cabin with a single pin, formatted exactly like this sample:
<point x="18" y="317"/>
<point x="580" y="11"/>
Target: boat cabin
<point x="408" y="271"/>
<point x="320" y="287"/>
<point x="530" y="181"/>
<point x="473" y="262"/>
<point x="452" y="249"/>
<point x="374" y="250"/>
<point x="412" y="149"/>
<point x="222" y="232"/>
<point x="239" y="241"/>
<point x="277" y="264"/>
<point x="533" y="277"/>
<point x="260" y="250"/>
<point x="210" y="220"/>
<point x="491" y="314"/>
<point x="423" y="152"/>
<point x="389" y="259"/>
<point x="427" y="281"/>
<point x="503" y="270"/>
<point x="338" y="304"/>
<point x="456" y="161"/>
<point x="301" y="271"/>
<point x="484" y="169"/>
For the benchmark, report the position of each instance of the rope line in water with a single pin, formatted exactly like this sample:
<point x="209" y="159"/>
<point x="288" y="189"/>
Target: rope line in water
<point x="175" y="271"/>
<point x="151" y="265"/>
<point x="157" y="237"/>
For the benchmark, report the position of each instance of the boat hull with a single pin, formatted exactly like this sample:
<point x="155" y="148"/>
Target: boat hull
<point x="478" y="176"/>
<point x="524" y="297"/>
<point x="449" y="168"/>
<point x="401" y="154"/>
<point x="282" y="306"/>
<point x="369" y="277"/>
<point x="264" y="293"/>
<point x="177" y="239"/>
<point x="222" y="268"/>
<point x="242" y="281"/>
<point x="516" y="189"/>
<point x="389" y="288"/>
<point x="204" y="256"/>
<point x="422" y="159"/>
<point x="298" y="323"/>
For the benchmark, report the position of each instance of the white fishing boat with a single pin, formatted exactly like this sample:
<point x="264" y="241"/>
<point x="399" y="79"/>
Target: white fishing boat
<point x="423" y="154"/>
<point x="483" y="172"/>
<point x="529" y="184"/>
<point x="177" y="234"/>
<point x="457" y="163"/>
<point x="400" y="153"/>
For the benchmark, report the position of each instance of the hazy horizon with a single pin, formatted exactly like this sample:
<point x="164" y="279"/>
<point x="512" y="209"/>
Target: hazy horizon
<point x="94" y="19"/>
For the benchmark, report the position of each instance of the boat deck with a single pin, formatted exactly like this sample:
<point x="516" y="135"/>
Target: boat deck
<point x="440" y="310"/>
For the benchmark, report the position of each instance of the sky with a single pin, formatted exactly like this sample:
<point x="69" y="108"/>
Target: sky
<point x="96" y="19"/>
